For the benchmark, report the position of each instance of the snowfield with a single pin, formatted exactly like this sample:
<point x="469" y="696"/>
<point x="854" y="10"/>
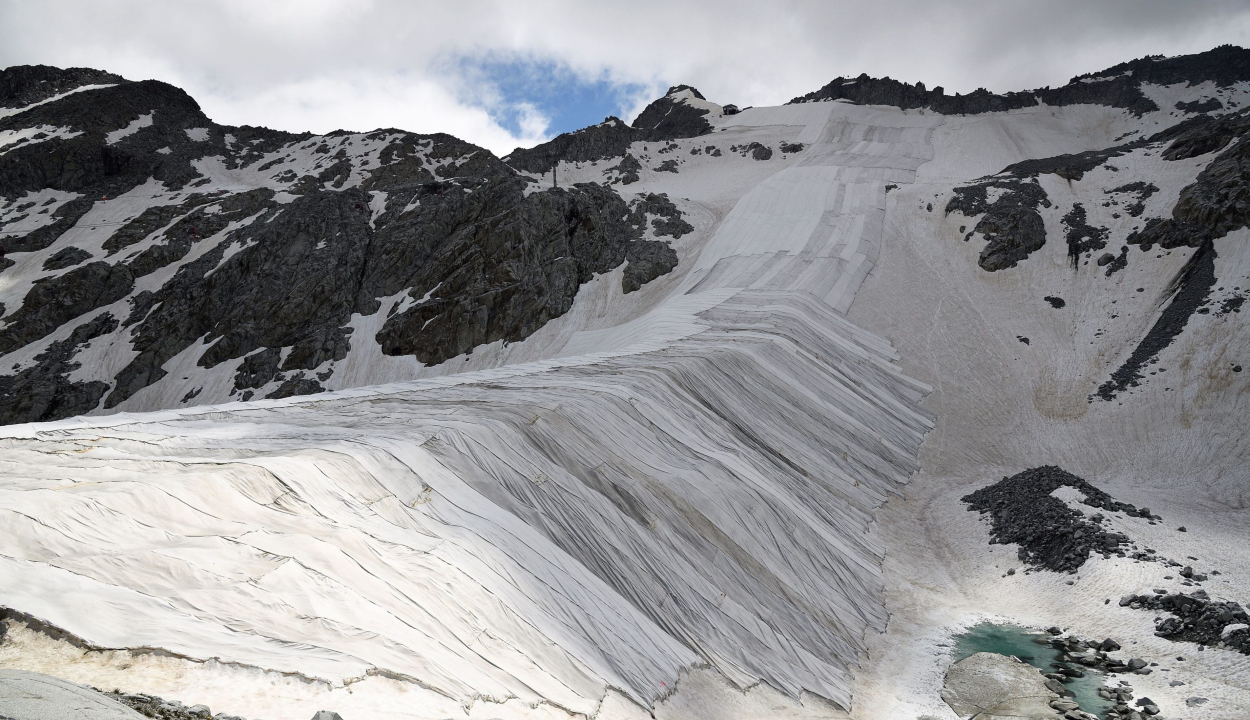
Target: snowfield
<point x="734" y="493"/>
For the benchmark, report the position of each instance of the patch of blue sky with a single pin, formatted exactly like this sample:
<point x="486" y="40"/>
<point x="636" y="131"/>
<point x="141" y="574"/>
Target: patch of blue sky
<point x="523" y="93"/>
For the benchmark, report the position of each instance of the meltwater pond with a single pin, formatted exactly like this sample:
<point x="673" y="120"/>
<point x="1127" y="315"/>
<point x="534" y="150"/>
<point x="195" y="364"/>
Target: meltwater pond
<point x="1032" y="647"/>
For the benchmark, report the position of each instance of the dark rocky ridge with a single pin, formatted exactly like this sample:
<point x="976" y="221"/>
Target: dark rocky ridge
<point x="1051" y="535"/>
<point x="1196" y="618"/>
<point x="457" y="226"/>
<point x="664" y="119"/>
<point x="1117" y="86"/>
<point x="25" y="85"/>
<point x="1188" y="291"/>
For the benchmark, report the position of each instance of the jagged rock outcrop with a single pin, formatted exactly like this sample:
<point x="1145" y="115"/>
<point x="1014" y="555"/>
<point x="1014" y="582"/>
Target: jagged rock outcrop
<point x="1011" y="223"/>
<point x="667" y="118"/>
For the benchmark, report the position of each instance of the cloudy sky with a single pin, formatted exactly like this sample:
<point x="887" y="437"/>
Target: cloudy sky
<point x="509" y="73"/>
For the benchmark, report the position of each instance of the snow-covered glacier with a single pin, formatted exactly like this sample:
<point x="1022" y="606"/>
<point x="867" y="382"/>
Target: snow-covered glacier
<point x="694" y="487"/>
<point x="672" y="484"/>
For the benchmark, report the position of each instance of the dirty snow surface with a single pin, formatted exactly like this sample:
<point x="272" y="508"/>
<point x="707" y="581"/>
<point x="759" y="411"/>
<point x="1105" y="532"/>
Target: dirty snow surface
<point x="732" y="493"/>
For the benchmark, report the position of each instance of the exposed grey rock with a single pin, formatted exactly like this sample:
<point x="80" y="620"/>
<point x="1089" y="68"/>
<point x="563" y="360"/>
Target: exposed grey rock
<point x="611" y="138"/>
<point x="297" y="385"/>
<point x="1081" y="236"/>
<point x="757" y="151"/>
<point x="156" y="707"/>
<point x="327" y="715"/>
<point x="1200" y="106"/>
<point x="647" y="261"/>
<point x="66" y="257"/>
<point x="626" y="170"/>
<point x="26" y="695"/>
<point x="666" y="218"/>
<point x="1196" y="618"/>
<point x="1203" y="134"/>
<point x="258" y="369"/>
<point x="1011" y="224"/>
<point x="1210" y="208"/>
<point x="504" y="278"/>
<point x="988" y="686"/>
<point x="667" y="119"/>
<point x="1142" y="190"/>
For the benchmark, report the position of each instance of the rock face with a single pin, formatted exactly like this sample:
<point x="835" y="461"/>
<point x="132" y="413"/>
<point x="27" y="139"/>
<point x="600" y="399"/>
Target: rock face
<point x="270" y="275"/>
<point x="989" y="686"/>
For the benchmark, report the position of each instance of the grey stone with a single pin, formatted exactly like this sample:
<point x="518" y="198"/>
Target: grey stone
<point x="988" y="685"/>
<point x="26" y="695"/>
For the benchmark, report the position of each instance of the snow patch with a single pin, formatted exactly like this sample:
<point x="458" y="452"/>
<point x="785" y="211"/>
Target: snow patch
<point x="135" y="126"/>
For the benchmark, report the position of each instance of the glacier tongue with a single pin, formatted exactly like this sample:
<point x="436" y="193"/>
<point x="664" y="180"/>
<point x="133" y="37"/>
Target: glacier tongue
<point x="698" y="490"/>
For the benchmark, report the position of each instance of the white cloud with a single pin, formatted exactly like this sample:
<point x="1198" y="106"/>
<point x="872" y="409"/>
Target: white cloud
<point x="361" y="64"/>
<point x="533" y="123"/>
